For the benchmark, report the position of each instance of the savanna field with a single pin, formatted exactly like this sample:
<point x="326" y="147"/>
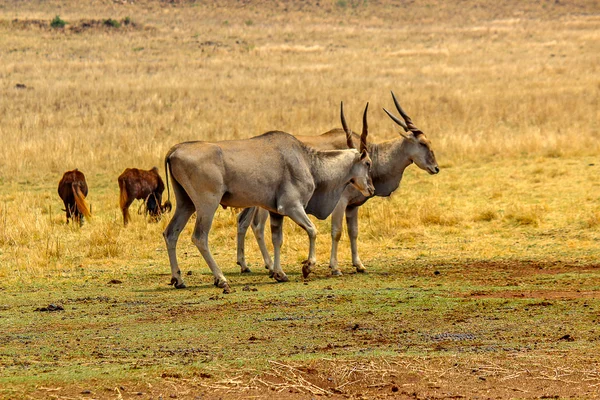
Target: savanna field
<point x="483" y="281"/>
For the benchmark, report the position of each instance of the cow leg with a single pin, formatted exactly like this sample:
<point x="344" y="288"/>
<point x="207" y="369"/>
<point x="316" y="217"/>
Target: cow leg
<point x="125" y="210"/>
<point x="337" y="220"/>
<point x="183" y="212"/>
<point x="298" y="215"/>
<point x="352" y="223"/>
<point x="67" y="211"/>
<point x="204" y="220"/>
<point x="258" y="227"/>
<point x="74" y="213"/>
<point x="277" y="238"/>
<point x="244" y="220"/>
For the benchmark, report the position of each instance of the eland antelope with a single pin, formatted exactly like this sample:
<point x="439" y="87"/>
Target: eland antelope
<point x="390" y="159"/>
<point x="274" y="171"/>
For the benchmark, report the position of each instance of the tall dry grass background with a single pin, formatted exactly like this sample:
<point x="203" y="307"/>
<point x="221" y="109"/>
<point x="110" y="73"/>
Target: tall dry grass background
<point x="508" y="92"/>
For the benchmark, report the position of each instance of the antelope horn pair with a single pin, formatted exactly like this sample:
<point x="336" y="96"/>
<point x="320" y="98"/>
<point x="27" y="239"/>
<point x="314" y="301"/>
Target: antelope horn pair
<point x="408" y="126"/>
<point x="365" y="129"/>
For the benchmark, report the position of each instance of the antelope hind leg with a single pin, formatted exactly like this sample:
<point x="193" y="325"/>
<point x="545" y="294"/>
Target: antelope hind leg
<point x="204" y="220"/>
<point x="244" y="220"/>
<point x="258" y="227"/>
<point x="171" y="234"/>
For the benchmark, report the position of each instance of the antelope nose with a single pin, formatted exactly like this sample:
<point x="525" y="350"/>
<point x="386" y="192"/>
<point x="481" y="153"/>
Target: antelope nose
<point x="436" y="169"/>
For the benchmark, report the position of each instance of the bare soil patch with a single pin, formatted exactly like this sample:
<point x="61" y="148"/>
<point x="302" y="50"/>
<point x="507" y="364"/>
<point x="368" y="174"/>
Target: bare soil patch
<point x="393" y="377"/>
<point x="520" y="268"/>
<point x="538" y="294"/>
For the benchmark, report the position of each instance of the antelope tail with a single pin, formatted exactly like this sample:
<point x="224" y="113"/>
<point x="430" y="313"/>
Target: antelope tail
<point x="80" y="201"/>
<point x="168" y="204"/>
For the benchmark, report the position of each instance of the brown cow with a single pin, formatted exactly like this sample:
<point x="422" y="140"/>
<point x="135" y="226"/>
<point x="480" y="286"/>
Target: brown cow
<point x="73" y="189"/>
<point x="138" y="184"/>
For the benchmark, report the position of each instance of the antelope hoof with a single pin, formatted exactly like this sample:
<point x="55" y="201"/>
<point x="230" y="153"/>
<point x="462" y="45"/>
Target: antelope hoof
<point x="226" y="289"/>
<point x="221" y="283"/>
<point x="307" y="268"/>
<point x="336" y="272"/>
<point x="361" y="270"/>
<point x="176" y="284"/>
<point x="243" y="268"/>
<point x="280" y="277"/>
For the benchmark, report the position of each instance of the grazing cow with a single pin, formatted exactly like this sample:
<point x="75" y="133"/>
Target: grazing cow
<point x="274" y="171"/>
<point x="138" y="184"/>
<point x="389" y="161"/>
<point x="73" y="189"/>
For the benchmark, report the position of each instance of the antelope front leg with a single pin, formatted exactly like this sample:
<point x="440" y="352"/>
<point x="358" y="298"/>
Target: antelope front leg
<point x="277" y="238"/>
<point x="352" y="222"/>
<point x="337" y="219"/>
<point x="298" y="215"/>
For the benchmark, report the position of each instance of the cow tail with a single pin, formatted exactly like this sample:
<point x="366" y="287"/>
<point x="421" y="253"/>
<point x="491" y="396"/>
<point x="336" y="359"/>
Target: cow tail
<point x="123" y="201"/>
<point x="167" y="206"/>
<point x="80" y="201"/>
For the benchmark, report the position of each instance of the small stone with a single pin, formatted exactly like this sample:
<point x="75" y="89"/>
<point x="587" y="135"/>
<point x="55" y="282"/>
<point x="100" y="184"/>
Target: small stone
<point x="567" y="338"/>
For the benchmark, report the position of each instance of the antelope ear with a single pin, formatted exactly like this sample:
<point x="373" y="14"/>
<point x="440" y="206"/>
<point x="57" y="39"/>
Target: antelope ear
<point x="404" y="135"/>
<point x="364" y="155"/>
<point x="411" y="137"/>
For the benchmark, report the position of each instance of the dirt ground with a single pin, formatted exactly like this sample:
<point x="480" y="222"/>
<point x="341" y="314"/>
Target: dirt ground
<point x="515" y="376"/>
<point x="454" y="363"/>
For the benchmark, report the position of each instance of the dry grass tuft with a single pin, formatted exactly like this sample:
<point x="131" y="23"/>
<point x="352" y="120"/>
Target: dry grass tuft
<point x="486" y="215"/>
<point x="522" y="215"/>
<point x="105" y="241"/>
<point x="592" y="221"/>
<point x="435" y="215"/>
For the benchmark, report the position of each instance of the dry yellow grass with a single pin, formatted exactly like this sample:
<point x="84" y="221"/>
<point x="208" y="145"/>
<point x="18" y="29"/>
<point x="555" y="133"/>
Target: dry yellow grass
<point x="508" y="93"/>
